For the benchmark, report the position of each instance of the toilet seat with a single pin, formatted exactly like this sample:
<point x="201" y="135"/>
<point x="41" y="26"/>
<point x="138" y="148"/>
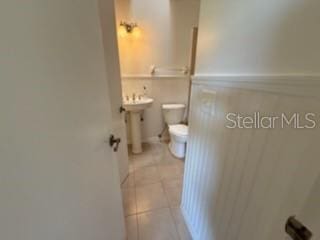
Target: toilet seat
<point x="180" y="130"/>
<point x="173" y="106"/>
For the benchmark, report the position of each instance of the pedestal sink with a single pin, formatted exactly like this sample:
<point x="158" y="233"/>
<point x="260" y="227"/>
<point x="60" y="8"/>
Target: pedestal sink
<point x="135" y="107"/>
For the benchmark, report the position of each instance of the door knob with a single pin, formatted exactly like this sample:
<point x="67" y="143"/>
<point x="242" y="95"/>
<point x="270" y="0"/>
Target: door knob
<point x="114" y="141"/>
<point x="296" y="230"/>
<point x="122" y="109"/>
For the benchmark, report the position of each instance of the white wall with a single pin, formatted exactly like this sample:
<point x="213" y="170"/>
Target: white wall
<point x="242" y="183"/>
<point x="251" y="36"/>
<point x="165" y="41"/>
<point x="165" y="33"/>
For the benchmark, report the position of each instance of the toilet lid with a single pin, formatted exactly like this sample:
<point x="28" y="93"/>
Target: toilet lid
<point x="179" y="129"/>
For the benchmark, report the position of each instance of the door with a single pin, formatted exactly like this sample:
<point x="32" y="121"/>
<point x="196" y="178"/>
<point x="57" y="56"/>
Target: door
<point x="58" y="175"/>
<point x="301" y="201"/>
<point x="119" y="129"/>
<point x="108" y="26"/>
<point x="310" y="212"/>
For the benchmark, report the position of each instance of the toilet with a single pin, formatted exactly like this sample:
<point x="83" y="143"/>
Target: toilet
<point x="173" y="116"/>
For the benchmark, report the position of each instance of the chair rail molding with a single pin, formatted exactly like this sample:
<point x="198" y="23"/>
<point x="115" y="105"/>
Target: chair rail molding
<point x="289" y="84"/>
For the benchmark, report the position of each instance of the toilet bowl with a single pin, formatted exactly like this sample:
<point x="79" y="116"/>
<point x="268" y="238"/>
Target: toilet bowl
<point x="173" y="116"/>
<point x="178" y="139"/>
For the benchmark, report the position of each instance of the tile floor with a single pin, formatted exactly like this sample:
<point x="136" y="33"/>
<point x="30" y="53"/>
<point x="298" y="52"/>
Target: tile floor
<point x="152" y="195"/>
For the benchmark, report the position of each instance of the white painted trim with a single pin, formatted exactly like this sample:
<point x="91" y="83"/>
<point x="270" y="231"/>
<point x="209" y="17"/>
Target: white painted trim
<point x="153" y="77"/>
<point x="187" y="221"/>
<point x="293" y="84"/>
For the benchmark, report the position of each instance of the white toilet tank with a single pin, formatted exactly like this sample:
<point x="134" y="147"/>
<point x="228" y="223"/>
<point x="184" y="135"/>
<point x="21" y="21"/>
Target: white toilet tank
<point x="173" y="113"/>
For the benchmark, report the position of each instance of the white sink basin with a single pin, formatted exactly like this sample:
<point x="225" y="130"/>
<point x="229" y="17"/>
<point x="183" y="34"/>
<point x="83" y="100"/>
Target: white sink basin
<point x="137" y="105"/>
<point x="135" y="109"/>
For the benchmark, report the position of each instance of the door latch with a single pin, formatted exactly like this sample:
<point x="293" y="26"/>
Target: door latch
<point x="116" y="141"/>
<point x="296" y="230"/>
<point x="122" y="109"/>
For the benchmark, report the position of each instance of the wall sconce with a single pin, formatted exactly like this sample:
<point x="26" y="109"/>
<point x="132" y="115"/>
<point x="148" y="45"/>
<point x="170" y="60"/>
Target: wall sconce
<point x="128" y="26"/>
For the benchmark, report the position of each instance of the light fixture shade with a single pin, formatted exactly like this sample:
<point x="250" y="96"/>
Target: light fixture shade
<point x="128" y="26"/>
<point x="122" y="31"/>
<point x="136" y="32"/>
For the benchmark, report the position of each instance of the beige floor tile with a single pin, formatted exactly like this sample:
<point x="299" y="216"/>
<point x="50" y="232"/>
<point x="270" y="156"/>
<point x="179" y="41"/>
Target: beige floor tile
<point x="171" y="170"/>
<point x="150" y="197"/>
<point x="164" y="156"/>
<point x="131" y="165"/>
<point x="142" y="160"/>
<point x="147" y="147"/>
<point x="132" y="227"/>
<point x="146" y="175"/>
<point x="173" y="190"/>
<point x="157" y="225"/>
<point x="180" y="224"/>
<point x="129" y="201"/>
<point x="128" y="182"/>
<point x="172" y="183"/>
<point x="154" y="184"/>
<point x="158" y="147"/>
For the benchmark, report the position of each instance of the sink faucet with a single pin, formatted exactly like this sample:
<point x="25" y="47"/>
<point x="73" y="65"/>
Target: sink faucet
<point x="133" y="96"/>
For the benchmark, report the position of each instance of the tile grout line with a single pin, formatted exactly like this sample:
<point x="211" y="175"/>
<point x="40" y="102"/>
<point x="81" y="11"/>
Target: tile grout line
<point x="175" y="223"/>
<point x="135" y="200"/>
<point x="152" y="210"/>
<point x="156" y="164"/>
<point x="166" y="195"/>
<point x="171" y="214"/>
<point x="135" y="195"/>
<point x="170" y="208"/>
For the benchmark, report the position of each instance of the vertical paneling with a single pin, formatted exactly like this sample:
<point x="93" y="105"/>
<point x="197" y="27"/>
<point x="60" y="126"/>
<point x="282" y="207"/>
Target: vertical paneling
<point x="237" y="181"/>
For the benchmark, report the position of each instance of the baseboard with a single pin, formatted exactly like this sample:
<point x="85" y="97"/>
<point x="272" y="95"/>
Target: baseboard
<point x="187" y="220"/>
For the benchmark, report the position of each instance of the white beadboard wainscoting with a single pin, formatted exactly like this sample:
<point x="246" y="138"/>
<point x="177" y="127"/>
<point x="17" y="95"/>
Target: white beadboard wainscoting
<point x="242" y="184"/>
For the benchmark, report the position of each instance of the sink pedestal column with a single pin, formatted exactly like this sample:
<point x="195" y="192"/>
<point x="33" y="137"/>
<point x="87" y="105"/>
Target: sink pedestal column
<point x="136" y="132"/>
<point x="135" y="107"/>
